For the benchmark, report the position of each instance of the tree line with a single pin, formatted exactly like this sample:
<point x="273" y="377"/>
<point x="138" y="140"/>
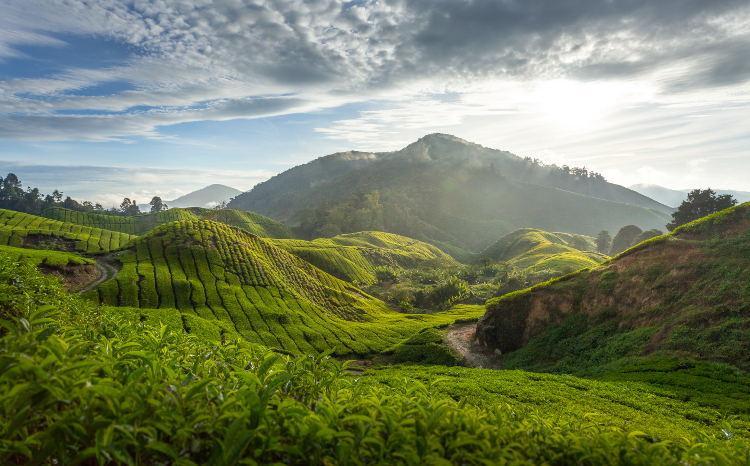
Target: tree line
<point x="13" y="196"/>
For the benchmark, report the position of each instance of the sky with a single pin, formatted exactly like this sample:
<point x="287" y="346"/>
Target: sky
<point x="110" y="99"/>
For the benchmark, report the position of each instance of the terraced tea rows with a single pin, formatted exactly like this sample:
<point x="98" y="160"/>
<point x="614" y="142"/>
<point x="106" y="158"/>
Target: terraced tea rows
<point x="354" y="256"/>
<point x="536" y="250"/>
<point x="268" y="296"/>
<point x="19" y="229"/>
<point x="49" y="258"/>
<point x="142" y="224"/>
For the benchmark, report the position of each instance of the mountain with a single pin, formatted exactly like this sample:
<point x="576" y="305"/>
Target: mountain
<point x="674" y="197"/>
<point x="679" y="295"/>
<point x="462" y="196"/>
<point x="215" y="280"/>
<point x="142" y="224"/>
<point x="209" y="196"/>
<point x="268" y="198"/>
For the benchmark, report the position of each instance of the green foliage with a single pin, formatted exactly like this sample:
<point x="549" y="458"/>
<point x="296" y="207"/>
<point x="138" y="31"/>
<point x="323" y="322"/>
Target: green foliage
<point x="19" y="229"/>
<point x="699" y="204"/>
<point x="603" y="242"/>
<point x="245" y="287"/>
<point x="142" y="224"/>
<point x="667" y="406"/>
<point x="82" y="386"/>
<point x="624" y="239"/>
<point x="49" y="258"/>
<point x="646" y="235"/>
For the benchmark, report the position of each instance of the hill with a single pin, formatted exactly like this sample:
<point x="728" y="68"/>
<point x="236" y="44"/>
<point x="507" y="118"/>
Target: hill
<point x="453" y="187"/>
<point x="142" y="224"/>
<point x="249" y="288"/>
<point x="680" y="295"/>
<point x="209" y="196"/>
<point x="674" y="197"/>
<point x="261" y="408"/>
<point x="19" y="229"/>
<point x="535" y="250"/>
<point x="354" y="256"/>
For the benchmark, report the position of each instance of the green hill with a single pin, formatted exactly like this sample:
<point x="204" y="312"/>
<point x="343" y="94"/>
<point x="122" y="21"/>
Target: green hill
<point x="142" y="224"/>
<point x="19" y="229"/>
<point x="78" y="383"/>
<point x="536" y="250"/>
<point x="463" y="198"/>
<point x="250" y="288"/>
<point x="355" y="256"/>
<point x="685" y="294"/>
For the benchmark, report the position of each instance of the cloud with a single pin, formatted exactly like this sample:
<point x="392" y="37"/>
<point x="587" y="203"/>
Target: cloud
<point x="191" y="59"/>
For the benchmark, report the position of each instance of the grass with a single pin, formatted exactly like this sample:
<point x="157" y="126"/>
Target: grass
<point x="256" y="291"/>
<point x="81" y="385"/>
<point x="18" y="229"/>
<point x="142" y="224"/>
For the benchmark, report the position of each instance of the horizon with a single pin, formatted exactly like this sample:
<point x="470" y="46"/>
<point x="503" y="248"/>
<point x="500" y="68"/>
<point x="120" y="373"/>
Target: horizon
<point x="111" y="100"/>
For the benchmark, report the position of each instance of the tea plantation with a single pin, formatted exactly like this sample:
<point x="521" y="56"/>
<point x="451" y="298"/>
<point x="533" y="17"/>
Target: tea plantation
<point x="142" y="224"/>
<point x="18" y="229"/>
<point x="535" y="250"/>
<point x="354" y="256"/>
<point x="83" y="385"/>
<point x="252" y="288"/>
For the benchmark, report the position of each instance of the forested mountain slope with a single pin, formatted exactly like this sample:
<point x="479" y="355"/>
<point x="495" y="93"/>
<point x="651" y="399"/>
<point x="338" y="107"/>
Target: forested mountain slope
<point x="355" y="256"/>
<point x="242" y="284"/>
<point x="452" y="186"/>
<point x="302" y="177"/>
<point x="535" y="250"/>
<point x="280" y="196"/>
<point x="141" y="224"/>
<point x="18" y="229"/>
<point x="684" y="294"/>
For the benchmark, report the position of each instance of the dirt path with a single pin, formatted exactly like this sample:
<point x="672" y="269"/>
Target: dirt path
<point x="108" y="272"/>
<point x="461" y="338"/>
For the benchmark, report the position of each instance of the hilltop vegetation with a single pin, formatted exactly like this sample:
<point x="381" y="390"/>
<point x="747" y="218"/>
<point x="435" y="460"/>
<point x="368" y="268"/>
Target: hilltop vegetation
<point x="212" y="273"/>
<point x="142" y="224"/>
<point x="354" y="257"/>
<point x="446" y="190"/>
<point x="19" y="229"/>
<point x="535" y="250"/>
<point x="683" y="295"/>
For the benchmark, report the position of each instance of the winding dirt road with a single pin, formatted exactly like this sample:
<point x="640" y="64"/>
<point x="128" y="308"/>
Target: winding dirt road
<point x="108" y="272"/>
<point x="461" y="338"/>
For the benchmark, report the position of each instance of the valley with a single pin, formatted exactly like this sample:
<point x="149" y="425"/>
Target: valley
<point x="434" y="291"/>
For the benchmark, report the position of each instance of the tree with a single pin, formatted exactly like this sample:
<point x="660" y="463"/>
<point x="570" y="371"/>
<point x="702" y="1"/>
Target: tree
<point x="646" y="235"/>
<point x="156" y="205"/>
<point x="579" y="242"/>
<point x="624" y="238"/>
<point x="603" y="242"/>
<point x="698" y="204"/>
<point x="129" y="208"/>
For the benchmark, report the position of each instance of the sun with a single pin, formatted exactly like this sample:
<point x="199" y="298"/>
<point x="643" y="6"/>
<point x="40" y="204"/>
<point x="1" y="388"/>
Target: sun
<point x="576" y="104"/>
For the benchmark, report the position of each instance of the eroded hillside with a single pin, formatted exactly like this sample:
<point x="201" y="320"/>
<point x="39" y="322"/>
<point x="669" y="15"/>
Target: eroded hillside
<point x="684" y="294"/>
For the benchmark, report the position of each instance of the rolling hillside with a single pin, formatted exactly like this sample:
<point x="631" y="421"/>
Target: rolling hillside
<point x="685" y="294"/>
<point x="467" y="195"/>
<point x="354" y="256"/>
<point x="18" y="229"/>
<point x="250" y="288"/>
<point x="141" y="224"/>
<point x="534" y="250"/>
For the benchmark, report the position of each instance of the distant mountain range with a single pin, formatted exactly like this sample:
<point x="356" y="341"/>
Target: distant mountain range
<point x="464" y="194"/>
<point x="674" y="197"/>
<point x="209" y="196"/>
